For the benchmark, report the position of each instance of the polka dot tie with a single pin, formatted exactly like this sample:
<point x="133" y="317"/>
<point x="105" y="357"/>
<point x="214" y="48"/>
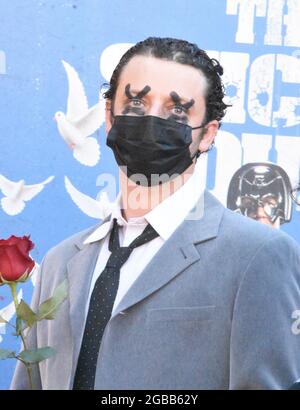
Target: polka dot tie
<point x="101" y="304"/>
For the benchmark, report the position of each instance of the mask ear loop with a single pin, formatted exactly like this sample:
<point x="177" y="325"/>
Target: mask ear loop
<point x="197" y="155"/>
<point x="198" y="152"/>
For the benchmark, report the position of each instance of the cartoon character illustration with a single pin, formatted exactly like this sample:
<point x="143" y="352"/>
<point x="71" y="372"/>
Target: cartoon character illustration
<point x="261" y="191"/>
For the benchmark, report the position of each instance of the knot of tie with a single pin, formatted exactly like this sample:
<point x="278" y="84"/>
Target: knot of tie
<point x="118" y="257"/>
<point x="120" y="254"/>
<point x="147" y="235"/>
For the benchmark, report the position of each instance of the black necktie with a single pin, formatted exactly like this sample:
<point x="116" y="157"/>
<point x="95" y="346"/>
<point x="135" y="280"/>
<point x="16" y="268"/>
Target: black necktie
<point x="101" y="304"/>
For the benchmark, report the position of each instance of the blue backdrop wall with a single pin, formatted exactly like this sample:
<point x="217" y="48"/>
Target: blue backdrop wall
<point x="257" y="42"/>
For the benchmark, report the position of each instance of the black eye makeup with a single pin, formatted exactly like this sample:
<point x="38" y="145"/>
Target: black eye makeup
<point x="135" y="104"/>
<point x="181" y="108"/>
<point x="182" y="118"/>
<point x="136" y="100"/>
<point x="135" y="110"/>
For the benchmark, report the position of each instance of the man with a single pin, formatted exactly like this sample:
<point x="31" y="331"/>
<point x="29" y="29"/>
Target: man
<point x="205" y="299"/>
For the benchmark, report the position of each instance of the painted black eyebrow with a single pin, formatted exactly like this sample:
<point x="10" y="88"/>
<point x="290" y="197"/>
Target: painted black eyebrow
<point x="140" y="94"/>
<point x="177" y="100"/>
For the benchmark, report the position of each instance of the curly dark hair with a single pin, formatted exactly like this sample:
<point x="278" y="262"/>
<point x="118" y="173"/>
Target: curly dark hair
<point x="182" y="52"/>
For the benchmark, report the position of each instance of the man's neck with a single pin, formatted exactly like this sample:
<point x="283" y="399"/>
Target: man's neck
<point x="138" y="200"/>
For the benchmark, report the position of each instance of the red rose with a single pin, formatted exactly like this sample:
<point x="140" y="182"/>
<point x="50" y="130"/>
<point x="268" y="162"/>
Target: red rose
<point x="15" y="262"/>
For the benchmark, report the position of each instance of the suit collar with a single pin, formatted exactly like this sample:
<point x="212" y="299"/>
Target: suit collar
<point x="79" y="241"/>
<point x="202" y="221"/>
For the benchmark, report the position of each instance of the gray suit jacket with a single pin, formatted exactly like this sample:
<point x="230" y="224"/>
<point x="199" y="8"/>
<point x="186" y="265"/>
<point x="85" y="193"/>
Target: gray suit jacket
<point x="212" y="310"/>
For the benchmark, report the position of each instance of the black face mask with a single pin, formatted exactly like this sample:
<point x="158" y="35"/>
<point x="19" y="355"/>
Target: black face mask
<point x="150" y="145"/>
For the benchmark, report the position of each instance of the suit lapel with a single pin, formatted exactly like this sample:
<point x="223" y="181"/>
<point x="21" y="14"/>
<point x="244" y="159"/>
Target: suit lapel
<point x="176" y="254"/>
<point x="80" y="269"/>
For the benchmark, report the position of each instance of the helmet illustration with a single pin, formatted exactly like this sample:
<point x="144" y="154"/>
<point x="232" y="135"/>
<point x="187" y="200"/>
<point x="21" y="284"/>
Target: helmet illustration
<point x="261" y="185"/>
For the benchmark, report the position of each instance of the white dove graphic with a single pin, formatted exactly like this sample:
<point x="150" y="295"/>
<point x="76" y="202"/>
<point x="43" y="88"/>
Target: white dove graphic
<point x="16" y="193"/>
<point x="95" y="208"/>
<point x="7" y="314"/>
<point x="80" y="122"/>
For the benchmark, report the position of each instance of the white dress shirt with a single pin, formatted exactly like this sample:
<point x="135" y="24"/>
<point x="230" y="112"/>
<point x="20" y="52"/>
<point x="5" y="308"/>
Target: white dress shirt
<point x="164" y="218"/>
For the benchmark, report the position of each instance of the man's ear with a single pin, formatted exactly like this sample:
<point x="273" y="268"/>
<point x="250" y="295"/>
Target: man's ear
<point x="208" y="137"/>
<point x="108" y="116"/>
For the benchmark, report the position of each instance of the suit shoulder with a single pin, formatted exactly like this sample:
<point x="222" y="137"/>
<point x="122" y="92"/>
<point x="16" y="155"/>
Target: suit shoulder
<point x="66" y="248"/>
<point x="261" y="245"/>
<point x="238" y="230"/>
<point x="254" y="232"/>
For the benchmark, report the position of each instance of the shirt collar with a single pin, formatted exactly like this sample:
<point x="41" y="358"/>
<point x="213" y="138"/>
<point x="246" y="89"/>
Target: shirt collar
<point x="115" y="212"/>
<point x="166" y="216"/>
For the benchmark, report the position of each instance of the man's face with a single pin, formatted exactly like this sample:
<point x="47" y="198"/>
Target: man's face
<point x="261" y="209"/>
<point x="166" y="89"/>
